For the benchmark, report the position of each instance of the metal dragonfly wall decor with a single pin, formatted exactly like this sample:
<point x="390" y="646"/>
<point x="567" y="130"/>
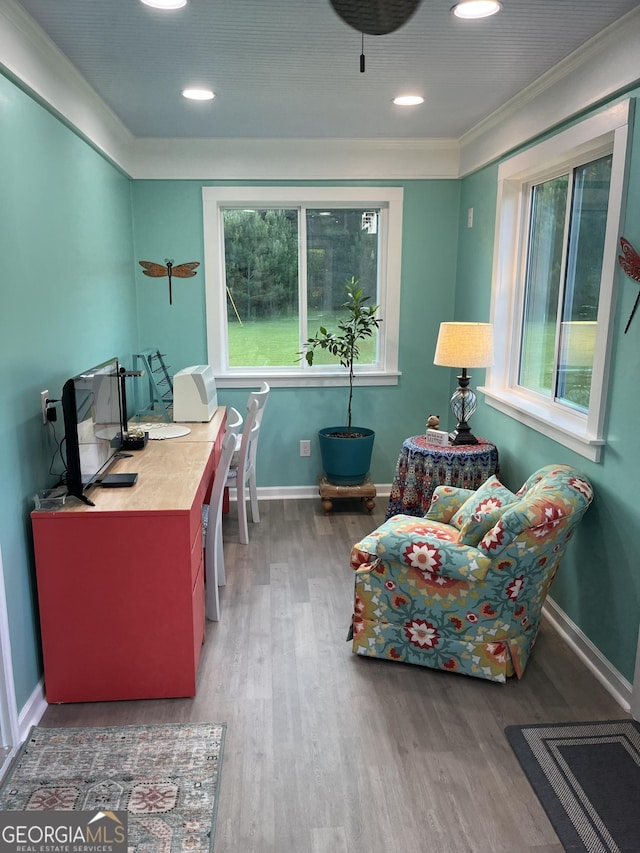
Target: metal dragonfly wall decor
<point x="158" y="271"/>
<point x="629" y="260"/>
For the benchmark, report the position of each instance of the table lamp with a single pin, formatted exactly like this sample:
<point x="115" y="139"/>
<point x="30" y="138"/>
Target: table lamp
<point x="471" y="345"/>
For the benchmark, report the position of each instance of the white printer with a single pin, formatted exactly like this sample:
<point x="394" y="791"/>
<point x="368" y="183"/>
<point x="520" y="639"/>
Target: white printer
<point x="195" y="397"/>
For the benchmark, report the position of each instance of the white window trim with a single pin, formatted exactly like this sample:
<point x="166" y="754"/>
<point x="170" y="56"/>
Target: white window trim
<point x="605" y="132"/>
<point x="390" y="199"/>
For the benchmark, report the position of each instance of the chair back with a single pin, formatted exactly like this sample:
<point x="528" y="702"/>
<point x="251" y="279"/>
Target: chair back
<point x="247" y="447"/>
<point x="234" y="422"/>
<point x="260" y="397"/>
<point x="214" y="557"/>
<point x="544" y="512"/>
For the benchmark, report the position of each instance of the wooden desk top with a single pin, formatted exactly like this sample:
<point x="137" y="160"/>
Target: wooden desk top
<point x="170" y="473"/>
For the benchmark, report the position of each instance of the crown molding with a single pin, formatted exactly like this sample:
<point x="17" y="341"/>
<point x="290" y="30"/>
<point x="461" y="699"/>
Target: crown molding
<point x="294" y="159"/>
<point x="606" y="66"/>
<point x="32" y="61"/>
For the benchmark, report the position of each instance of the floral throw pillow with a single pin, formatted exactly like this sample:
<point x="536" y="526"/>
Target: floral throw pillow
<point x="482" y="511"/>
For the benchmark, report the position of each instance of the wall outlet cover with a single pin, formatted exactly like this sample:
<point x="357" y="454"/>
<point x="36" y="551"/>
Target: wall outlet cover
<point x="44" y="396"/>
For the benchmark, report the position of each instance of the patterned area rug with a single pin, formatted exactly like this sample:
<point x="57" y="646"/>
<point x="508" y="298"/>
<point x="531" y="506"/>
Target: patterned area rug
<point x="587" y="777"/>
<point x="165" y="777"/>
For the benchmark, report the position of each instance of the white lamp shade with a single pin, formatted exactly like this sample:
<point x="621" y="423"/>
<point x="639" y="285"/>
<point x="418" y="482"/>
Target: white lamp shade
<point x="464" y="345"/>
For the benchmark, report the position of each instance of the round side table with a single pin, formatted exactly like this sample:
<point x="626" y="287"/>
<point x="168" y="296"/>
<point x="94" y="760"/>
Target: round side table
<point x="422" y="466"/>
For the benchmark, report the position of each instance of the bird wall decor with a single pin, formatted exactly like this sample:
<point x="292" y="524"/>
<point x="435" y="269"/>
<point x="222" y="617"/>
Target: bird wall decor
<point x="158" y="271"/>
<point x="629" y="260"/>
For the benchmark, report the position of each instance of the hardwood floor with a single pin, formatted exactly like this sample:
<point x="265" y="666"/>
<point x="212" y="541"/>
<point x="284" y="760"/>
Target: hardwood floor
<point x="327" y="752"/>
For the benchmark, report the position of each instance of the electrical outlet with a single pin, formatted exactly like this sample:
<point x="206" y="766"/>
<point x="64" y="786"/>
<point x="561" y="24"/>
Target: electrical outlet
<point x="44" y="396"/>
<point x="305" y="448"/>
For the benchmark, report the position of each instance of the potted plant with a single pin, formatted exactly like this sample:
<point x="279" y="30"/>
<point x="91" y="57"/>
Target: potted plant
<point x="346" y="450"/>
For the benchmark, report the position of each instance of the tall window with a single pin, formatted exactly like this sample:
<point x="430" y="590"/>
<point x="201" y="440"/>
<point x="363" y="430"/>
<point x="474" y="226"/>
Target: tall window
<point x="562" y="283"/>
<point x="277" y="263"/>
<point x="559" y="206"/>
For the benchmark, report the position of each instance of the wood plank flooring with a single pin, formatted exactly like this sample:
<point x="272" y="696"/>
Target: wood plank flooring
<point x="327" y="752"/>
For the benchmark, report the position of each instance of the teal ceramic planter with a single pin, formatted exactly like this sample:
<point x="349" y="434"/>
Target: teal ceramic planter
<point x="346" y="459"/>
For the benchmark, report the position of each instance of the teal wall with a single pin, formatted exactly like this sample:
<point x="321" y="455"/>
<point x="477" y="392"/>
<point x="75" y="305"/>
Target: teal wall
<point x="68" y="302"/>
<point x="598" y="586"/>
<point x="168" y="223"/>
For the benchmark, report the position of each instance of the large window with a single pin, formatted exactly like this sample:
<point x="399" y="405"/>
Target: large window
<point x="562" y="282"/>
<point x="277" y="263"/>
<point x="555" y="258"/>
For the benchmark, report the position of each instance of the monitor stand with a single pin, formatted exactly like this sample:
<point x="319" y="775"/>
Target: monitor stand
<point x="116" y="481"/>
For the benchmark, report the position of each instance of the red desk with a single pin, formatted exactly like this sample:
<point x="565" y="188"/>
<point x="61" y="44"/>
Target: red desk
<point x="121" y="583"/>
<point x="421" y="467"/>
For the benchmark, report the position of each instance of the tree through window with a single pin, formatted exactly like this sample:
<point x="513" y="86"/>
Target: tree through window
<point x="278" y="260"/>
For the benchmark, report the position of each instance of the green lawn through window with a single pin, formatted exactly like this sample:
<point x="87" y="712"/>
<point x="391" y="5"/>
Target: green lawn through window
<point x="274" y="342"/>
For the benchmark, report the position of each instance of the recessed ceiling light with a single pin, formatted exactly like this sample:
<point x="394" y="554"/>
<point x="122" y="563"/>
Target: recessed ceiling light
<point x="472" y="9"/>
<point x="198" y="94"/>
<point x="165" y="4"/>
<point x="408" y="100"/>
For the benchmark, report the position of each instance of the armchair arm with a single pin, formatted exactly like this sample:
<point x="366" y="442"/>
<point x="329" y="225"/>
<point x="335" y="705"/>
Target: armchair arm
<point x="445" y="503"/>
<point x="416" y="552"/>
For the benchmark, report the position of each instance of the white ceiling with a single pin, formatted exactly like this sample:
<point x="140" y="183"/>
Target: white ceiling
<point x="290" y="68"/>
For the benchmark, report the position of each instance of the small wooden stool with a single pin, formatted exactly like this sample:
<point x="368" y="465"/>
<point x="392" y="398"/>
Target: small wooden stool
<point x="366" y="491"/>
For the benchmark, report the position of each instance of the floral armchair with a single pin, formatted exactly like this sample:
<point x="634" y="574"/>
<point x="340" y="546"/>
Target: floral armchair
<point x="462" y="589"/>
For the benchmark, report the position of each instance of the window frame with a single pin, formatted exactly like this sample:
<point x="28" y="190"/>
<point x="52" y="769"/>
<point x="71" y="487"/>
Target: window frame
<point x="601" y="134"/>
<point x="388" y="199"/>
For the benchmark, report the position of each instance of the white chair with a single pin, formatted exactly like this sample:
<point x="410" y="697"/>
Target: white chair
<point x="243" y="469"/>
<point x="212" y="518"/>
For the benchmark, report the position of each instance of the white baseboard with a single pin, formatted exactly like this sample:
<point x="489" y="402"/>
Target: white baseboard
<point x="613" y="682"/>
<point x="32" y="711"/>
<point x="29" y="716"/>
